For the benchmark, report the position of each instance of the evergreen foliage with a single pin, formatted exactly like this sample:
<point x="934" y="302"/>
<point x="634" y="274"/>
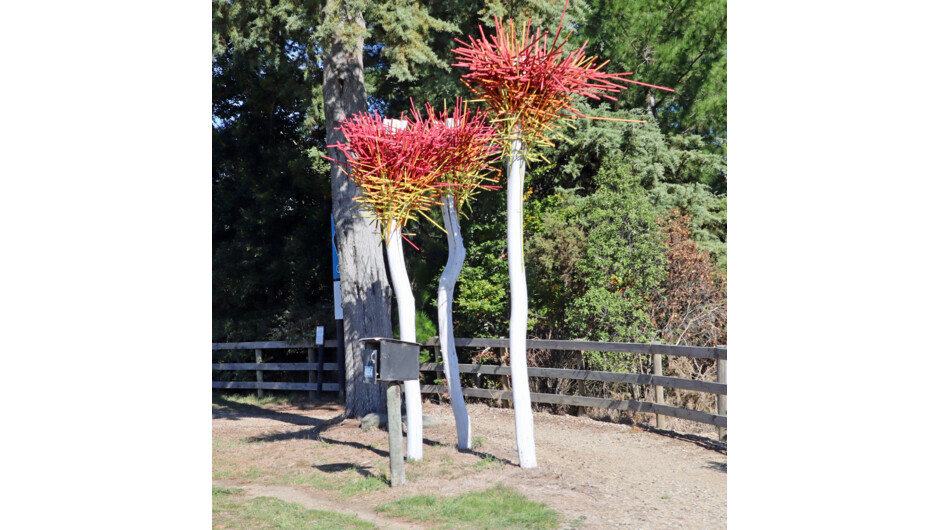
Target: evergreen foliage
<point x="481" y="302"/>
<point x="681" y="172"/>
<point x="683" y="45"/>
<point x="598" y="261"/>
<point x="270" y="197"/>
<point x="623" y="263"/>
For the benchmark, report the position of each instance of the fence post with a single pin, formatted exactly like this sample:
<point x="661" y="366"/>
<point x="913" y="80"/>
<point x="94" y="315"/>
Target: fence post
<point x="311" y="377"/>
<point x="722" y="399"/>
<point x="341" y="358"/>
<point x="319" y="361"/>
<point x="437" y="360"/>
<point x="658" y="370"/>
<point x="396" y="451"/>
<point x="504" y="380"/>
<point x="582" y="386"/>
<point x="259" y="372"/>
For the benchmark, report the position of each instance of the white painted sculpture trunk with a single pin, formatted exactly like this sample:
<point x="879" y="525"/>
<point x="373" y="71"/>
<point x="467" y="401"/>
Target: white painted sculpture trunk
<point x="406" y="331"/>
<point x="519" y="309"/>
<point x="445" y="296"/>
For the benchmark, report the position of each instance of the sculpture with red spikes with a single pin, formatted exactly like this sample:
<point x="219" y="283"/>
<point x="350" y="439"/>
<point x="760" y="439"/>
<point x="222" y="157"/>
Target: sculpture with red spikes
<point x="530" y="87"/>
<point x="467" y="144"/>
<point x="394" y="167"/>
<point x="403" y="168"/>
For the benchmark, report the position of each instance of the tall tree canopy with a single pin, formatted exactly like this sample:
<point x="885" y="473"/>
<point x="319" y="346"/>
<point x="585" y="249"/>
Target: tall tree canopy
<point x="270" y="200"/>
<point x="682" y="44"/>
<point x="272" y="194"/>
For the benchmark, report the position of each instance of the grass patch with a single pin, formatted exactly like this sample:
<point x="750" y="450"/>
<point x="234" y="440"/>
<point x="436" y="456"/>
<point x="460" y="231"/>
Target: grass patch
<point x="224" y="444"/>
<point x="362" y="485"/>
<point x="220" y="400"/>
<point x="348" y="483"/>
<point x="476" y="442"/>
<point x="231" y="472"/>
<point x="218" y="491"/>
<point x="317" y="481"/>
<point x="268" y="512"/>
<point x="497" y="507"/>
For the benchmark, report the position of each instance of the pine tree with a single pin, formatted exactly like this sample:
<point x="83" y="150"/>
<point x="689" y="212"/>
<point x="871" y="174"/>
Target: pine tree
<point x="275" y="107"/>
<point x="365" y="289"/>
<point x="683" y="45"/>
<point x="270" y="204"/>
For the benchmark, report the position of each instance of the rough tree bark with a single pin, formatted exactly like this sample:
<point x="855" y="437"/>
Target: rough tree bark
<point x="364" y="285"/>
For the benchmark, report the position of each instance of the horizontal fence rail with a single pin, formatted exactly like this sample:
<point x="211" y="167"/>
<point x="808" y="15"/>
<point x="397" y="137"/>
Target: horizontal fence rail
<point x="279" y="367"/>
<point x="584" y="401"/>
<point x="583" y="345"/>
<point x="275" y="345"/>
<point x="315" y="366"/>
<point x="589" y="375"/>
<point x="719" y="388"/>
<point x="317" y="370"/>
<point x="251" y="385"/>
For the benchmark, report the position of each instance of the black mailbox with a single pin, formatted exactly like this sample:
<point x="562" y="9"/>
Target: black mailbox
<point x="390" y="359"/>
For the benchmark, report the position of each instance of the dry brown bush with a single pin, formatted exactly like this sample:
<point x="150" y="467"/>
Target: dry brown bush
<point x="692" y="307"/>
<point x="690" y="310"/>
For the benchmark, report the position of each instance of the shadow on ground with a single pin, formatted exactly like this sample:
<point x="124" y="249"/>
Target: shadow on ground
<point x="430" y="443"/>
<point x="718" y="466"/>
<point x="349" y="466"/>
<point x="234" y="411"/>
<point x="701" y="441"/>
<point x="356" y="445"/>
<point x="486" y="456"/>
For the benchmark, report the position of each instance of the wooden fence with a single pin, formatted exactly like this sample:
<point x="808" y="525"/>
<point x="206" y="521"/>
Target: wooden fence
<point x="316" y="368"/>
<point x="719" y="419"/>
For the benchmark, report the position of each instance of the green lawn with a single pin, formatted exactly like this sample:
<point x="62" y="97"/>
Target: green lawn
<point x="232" y="510"/>
<point x="497" y="507"/>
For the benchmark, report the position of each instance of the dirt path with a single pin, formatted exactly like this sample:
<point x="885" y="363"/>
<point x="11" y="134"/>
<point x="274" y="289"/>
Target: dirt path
<point x="595" y="474"/>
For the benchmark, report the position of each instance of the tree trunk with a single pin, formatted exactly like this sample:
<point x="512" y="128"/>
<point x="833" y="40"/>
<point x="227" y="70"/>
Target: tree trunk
<point x="445" y="323"/>
<point x="650" y="102"/>
<point x="364" y="285"/>
<point x="519" y="309"/>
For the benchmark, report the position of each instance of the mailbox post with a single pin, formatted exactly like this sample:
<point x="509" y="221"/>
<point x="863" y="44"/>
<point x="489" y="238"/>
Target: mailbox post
<point x="392" y="361"/>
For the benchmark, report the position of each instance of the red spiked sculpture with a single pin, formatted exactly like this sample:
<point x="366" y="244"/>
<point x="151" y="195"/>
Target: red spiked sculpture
<point x="404" y="172"/>
<point x="529" y="85"/>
